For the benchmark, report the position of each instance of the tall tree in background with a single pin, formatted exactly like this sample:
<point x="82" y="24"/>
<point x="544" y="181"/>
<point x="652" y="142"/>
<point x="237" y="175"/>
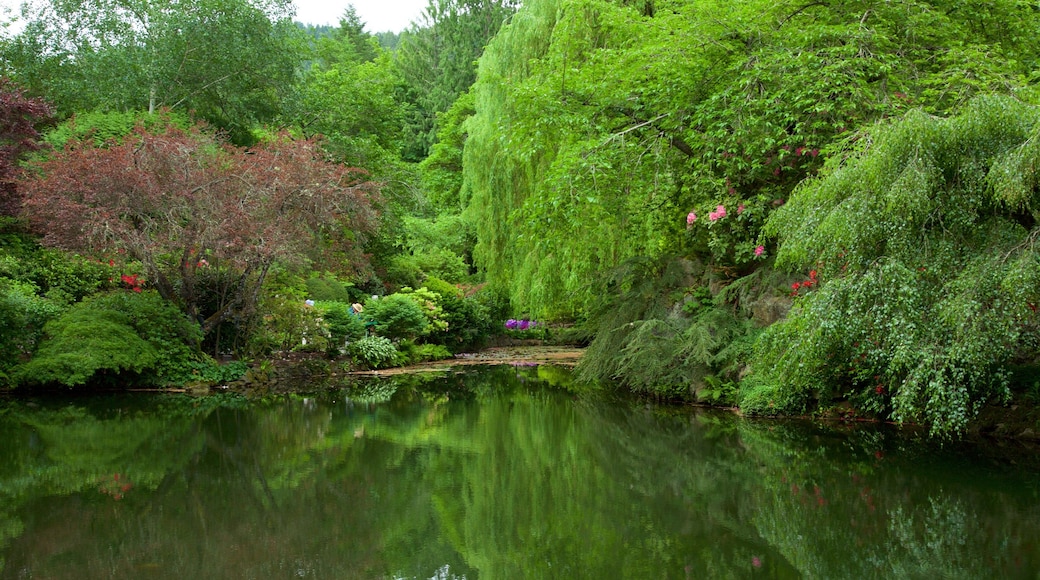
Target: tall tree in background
<point x="437" y="59"/>
<point x="230" y="62"/>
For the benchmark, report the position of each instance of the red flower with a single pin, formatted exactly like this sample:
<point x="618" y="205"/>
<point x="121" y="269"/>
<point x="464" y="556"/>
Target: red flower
<point x="812" y="274"/>
<point x="795" y="286"/>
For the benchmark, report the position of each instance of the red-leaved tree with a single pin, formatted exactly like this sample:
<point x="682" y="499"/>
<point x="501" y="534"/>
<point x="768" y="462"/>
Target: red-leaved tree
<point x="188" y="206"/>
<point x="19" y="116"/>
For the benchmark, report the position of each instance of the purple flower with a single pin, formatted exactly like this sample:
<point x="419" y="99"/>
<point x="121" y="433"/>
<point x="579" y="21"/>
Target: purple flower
<point x="524" y="324"/>
<point x="511" y="324"/>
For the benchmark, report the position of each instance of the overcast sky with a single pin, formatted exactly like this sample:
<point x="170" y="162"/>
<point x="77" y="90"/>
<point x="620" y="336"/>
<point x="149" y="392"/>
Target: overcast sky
<point x="378" y="15"/>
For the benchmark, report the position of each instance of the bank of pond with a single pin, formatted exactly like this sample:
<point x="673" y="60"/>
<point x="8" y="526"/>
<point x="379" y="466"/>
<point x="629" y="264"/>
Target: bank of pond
<point x="507" y="471"/>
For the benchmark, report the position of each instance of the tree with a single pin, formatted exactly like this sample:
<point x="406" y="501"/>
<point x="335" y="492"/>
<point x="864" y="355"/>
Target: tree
<point x="19" y="117"/>
<point x="924" y="243"/>
<point x="437" y="59"/>
<point x="201" y="216"/>
<point x="600" y="125"/>
<point x="231" y="62"/>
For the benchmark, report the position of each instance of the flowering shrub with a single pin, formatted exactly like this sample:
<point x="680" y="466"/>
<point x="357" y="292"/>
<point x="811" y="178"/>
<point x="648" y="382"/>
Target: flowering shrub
<point x="526" y="329"/>
<point x="730" y="238"/>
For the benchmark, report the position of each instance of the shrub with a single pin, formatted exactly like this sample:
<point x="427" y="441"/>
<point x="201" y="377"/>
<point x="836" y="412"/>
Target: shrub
<point x="329" y="289"/>
<point x="342" y="323"/>
<point x="396" y="316"/>
<point x="924" y="246"/>
<point x="372" y="351"/>
<point x="289" y="323"/>
<point x="210" y="371"/>
<point x="469" y="321"/>
<point x="411" y="353"/>
<point x="22" y="317"/>
<point x="117" y="337"/>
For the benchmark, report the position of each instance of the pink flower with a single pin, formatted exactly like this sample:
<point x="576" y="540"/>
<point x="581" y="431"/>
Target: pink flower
<point x="756" y="562"/>
<point x="719" y="213"/>
<point x="740" y="209"/>
<point x="690" y="218"/>
<point x="759" y="251"/>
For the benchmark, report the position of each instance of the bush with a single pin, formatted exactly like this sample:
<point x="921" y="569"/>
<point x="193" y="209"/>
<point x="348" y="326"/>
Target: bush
<point x="22" y="317"/>
<point x="396" y="316"/>
<point x="210" y="371"/>
<point x="372" y="351"/>
<point x="289" y="324"/>
<point x="342" y="323"/>
<point x="469" y="321"/>
<point x="411" y="353"/>
<point x="115" y="338"/>
<point x="329" y="289"/>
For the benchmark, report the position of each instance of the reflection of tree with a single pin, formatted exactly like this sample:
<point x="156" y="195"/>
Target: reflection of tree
<point x="871" y="503"/>
<point x="490" y="474"/>
<point x="70" y="450"/>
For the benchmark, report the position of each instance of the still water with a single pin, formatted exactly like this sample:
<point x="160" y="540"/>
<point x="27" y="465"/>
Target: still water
<point x="496" y="473"/>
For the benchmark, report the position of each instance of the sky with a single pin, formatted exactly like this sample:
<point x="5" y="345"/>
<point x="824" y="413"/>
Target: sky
<point x="378" y="15"/>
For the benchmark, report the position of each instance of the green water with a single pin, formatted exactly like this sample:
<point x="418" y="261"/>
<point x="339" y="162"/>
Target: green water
<point x="500" y="473"/>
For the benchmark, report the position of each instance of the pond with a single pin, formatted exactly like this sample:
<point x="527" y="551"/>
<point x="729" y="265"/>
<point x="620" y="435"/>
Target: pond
<point x="497" y="472"/>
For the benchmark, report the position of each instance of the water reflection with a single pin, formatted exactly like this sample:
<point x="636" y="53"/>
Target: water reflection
<point x="501" y="473"/>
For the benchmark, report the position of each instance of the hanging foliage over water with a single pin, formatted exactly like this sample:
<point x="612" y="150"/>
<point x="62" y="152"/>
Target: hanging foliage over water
<point x="600" y="125"/>
<point x="925" y="241"/>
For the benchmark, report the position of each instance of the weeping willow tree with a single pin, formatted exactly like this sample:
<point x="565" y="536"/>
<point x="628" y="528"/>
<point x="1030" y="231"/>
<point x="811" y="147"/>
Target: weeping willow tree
<point x="600" y="125"/>
<point x="561" y="186"/>
<point x="609" y="133"/>
<point x="925" y="242"/>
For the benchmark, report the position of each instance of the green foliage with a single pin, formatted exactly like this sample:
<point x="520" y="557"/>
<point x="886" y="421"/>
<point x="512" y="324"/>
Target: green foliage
<point x="469" y="322"/>
<point x="599" y="126"/>
<point x="924" y="240"/>
<point x="441" y="171"/>
<point x="288" y="323"/>
<point x="436" y="59"/>
<point x="230" y="62"/>
<point x="665" y="335"/>
<point x="396" y="316"/>
<point x="210" y="371"/>
<point x="373" y="351"/>
<point x="328" y="288"/>
<point x="411" y="353"/>
<point x="23" y="315"/>
<point x="411" y="269"/>
<point x="429" y="302"/>
<point x="116" y="338"/>
<point x="58" y="275"/>
<point x="431" y="247"/>
<point x="343" y="323"/>
<point x="103" y="127"/>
